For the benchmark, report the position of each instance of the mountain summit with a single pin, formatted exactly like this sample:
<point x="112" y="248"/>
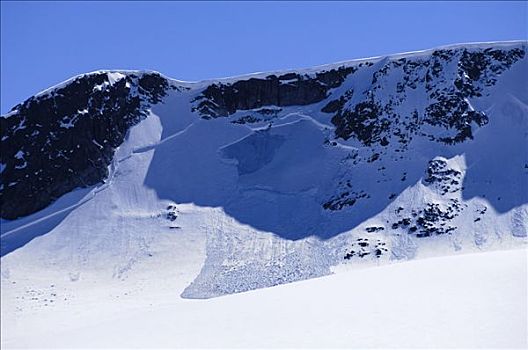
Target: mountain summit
<point x="229" y="185"/>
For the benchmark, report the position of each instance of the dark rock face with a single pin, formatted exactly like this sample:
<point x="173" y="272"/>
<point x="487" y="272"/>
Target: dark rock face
<point x="373" y="119"/>
<point x="58" y="141"/>
<point x="364" y="122"/>
<point x="445" y="179"/>
<point x="221" y="100"/>
<point x="431" y="220"/>
<point x="364" y="247"/>
<point x="344" y="199"/>
<point x="374" y="229"/>
<point x="263" y="114"/>
<point x="483" y="66"/>
<point x="452" y="112"/>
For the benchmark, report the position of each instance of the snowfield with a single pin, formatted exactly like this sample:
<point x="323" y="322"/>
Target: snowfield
<point x="462" y="301"/>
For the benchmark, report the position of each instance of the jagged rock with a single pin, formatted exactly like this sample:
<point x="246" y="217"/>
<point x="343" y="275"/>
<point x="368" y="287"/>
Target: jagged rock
<point x="58" y="141"/>
<point x="445" y="179"/>
<point x="373" y="119"/>
<point x="223" y="99"/>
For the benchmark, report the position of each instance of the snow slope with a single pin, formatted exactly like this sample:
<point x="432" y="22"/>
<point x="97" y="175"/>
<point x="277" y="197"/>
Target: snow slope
<point x="463" y="301"/>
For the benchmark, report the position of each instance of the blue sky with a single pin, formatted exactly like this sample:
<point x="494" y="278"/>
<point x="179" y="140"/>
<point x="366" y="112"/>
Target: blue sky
<point x="44" y="43"/>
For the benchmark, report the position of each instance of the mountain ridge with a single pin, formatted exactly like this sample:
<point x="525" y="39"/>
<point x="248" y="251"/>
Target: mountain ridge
<point x="272" y="177"/>
<point x="476" y="44"/>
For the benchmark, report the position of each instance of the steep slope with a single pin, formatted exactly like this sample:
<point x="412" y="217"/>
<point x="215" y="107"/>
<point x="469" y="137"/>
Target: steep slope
<point x="241" y="183"/>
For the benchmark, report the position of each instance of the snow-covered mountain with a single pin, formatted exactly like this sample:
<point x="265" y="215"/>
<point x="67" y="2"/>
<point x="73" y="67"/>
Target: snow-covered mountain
<point x="132" y="181"/>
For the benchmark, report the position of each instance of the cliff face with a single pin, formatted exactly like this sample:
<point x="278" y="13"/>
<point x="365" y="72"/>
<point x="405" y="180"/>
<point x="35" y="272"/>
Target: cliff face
<point x="291" y="89"/>
<point x="65" y="138"/>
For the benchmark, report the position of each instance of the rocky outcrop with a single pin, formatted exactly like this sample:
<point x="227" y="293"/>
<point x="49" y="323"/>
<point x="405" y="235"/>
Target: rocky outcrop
<point x="443" y="178"/>
<point x="431" y="220"/>
<point x="375" y="116"/>
<point x="223" y="99"/>
<point x="363" y="247"/>
<point x="65" y="138"/>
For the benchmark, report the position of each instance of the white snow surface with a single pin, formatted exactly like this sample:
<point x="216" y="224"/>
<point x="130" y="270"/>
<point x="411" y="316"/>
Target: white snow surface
<point x="464" y="301"/>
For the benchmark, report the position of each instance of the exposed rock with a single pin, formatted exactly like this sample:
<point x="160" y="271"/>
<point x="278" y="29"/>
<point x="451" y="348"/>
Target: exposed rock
<point x="66" y="138"/>
<point x="224" y="99"/>
<point x="445" y="179"/>
<point x="343" y="200"/>
<point x="363" y="248"/>
<point x="374" y="229"/>
<point x="374" y="120"/>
